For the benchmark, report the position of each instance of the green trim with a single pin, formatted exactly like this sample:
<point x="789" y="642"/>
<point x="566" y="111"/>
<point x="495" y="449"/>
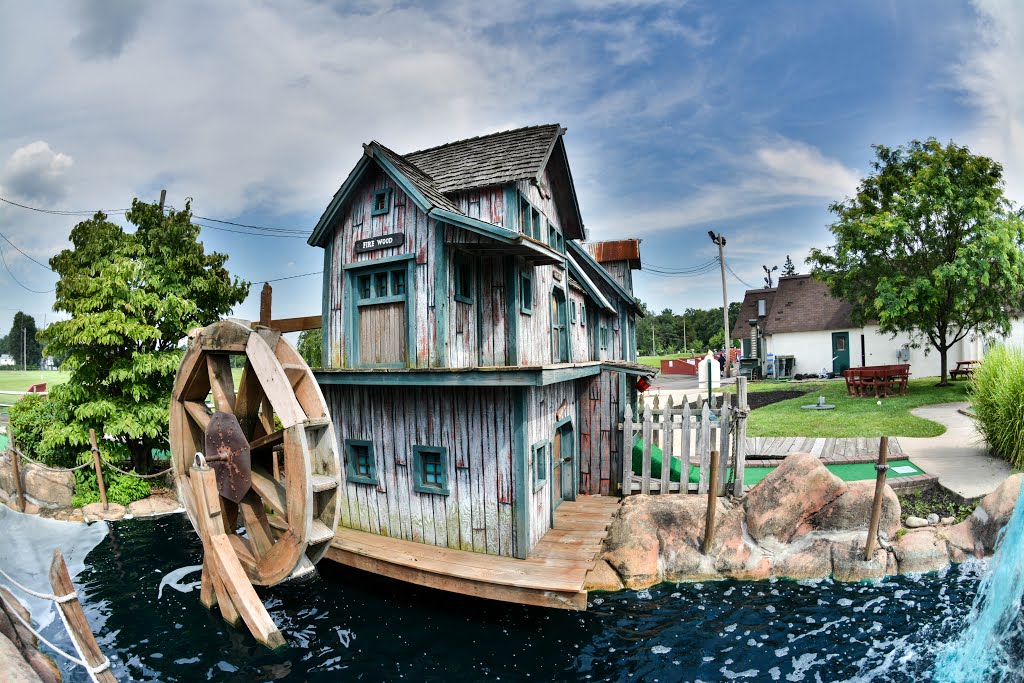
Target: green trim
<point x="604" y="274"/>
<point x="534" y="376"/>
<point x="540" y="475"/>
<point x="512" y="311"/>
<point x="573" y="463"/>
<point x="404" y="183"/>
<point x="440" y="296"/>
<point x="538" y="251"/>
<point x="521" y="474"/>
<point x="354" y="301"/>
<point x="417" y="460"/>
<point x="325" y="315"/>
<point x="556" y="356"/>
<point x="350" y="456"/>
<point x="525" y="285"/>
<point x="386" y="195"/>
<point x="319" y="234"/>
<point x="591" y="289"/>
<point x="369" y="263"/>
<point x="463" y="266"/>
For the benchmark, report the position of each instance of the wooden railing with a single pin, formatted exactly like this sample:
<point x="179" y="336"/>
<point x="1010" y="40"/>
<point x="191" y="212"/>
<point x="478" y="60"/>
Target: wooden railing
<point x="721" y="428"/>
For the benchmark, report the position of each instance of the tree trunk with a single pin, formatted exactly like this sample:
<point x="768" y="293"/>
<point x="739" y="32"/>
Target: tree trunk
<point x="142" y="458"/>
<point x="943" y="366"/>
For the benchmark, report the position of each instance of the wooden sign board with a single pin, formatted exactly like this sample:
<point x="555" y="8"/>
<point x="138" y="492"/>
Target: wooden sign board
<point x="395" y="239"/>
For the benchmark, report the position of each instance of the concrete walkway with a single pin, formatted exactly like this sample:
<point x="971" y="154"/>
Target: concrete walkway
<point x="960" y="457"/>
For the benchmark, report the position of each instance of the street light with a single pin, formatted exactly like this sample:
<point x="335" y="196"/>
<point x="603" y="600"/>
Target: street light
<point x="719" y="239"/>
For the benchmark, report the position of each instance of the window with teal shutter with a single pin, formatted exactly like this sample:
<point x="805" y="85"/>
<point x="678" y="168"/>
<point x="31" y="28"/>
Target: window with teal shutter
<point x="526" y="293"/>
<point x="359" y="462"/>
<point x="430" y="469"/>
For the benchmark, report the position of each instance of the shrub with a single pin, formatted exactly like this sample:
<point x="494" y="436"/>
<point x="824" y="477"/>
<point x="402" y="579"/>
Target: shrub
<point x="996" y="393"/>
<point x="29" y="417"/>
<point x="121" y="488"/>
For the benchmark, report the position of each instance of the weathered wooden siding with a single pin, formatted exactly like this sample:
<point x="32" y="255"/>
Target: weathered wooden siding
<point x="545" y="406"/>
<point x="600" y="441"/>
<point x="578" y="329"/>
<point x="473" y="424"/>
<point x="405" y="217"/>
<point x="621" y="272"/>
<point x="541" y="196"/>
<point x="487" y="204"/>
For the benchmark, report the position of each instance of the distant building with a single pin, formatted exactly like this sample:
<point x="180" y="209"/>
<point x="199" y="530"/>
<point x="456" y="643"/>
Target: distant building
<point x="6" y="360"/>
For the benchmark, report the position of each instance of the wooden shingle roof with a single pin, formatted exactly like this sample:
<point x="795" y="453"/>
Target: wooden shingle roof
<point x="423" y="182"/>
<point x="486" y="160"/>
<point x="803" y="304"/>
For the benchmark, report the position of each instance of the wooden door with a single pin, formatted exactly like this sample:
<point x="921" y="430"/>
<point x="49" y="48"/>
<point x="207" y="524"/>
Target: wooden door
<point x="559" y="327"/>
<point x="382" y="335"/>
<point x="556" y="470"/>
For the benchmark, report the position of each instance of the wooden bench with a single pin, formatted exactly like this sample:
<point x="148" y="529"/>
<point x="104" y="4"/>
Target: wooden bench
<point x="877" y="380"/>
<point x="964" y="368"/>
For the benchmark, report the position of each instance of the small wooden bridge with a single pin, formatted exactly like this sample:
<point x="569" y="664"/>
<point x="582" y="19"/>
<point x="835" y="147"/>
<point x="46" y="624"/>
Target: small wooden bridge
<point x="553" y="575"/>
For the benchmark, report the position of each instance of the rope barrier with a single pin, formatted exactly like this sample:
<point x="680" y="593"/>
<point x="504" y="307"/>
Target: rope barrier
<point x="86" y="464"/>
<point x="73" y="595"/>
<point x="47" y="467"/>
<point x="133" y="474"/>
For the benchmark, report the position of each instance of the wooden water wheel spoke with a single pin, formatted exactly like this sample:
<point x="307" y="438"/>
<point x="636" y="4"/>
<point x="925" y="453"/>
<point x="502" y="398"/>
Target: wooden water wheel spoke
<point x="277" y="405"/>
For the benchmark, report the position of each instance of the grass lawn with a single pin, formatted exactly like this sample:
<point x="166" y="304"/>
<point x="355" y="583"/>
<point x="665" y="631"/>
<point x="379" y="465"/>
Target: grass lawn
<point x="656" y="360"/>
<point x="853" y="417"/>
<point x="16" y="380"/>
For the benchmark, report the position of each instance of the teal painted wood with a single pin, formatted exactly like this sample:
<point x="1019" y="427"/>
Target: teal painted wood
<point x="420" y="485"/>
<point x="440" y="297"/>
<point x="511" y="206"/>
<point x="580" y="276"/>
<point x="323" y="227"/>
<point x="384" y="198"/>
<point x="538" y="376"/>
<point x="403" y="182"/>
<point x="325" y="308"/>
<point x="584" y="256"/>
<point x="512" y="311"/>
<point x="520" y="474"/>
<point x="382" y="261"/>
<point x="536" y="251"/>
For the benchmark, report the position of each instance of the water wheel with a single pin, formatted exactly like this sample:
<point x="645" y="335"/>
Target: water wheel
<point x="269" y="441"/>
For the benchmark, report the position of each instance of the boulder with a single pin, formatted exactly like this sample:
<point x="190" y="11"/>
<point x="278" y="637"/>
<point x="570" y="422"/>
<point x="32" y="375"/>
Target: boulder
<point x="6" y="474"/>
<point x="946" y="521"/>
<point x="848" y="562"/>
<point x="631" y="547"/>
<point x="681" y="535"/>
<point x="602" y="578"/>
<point x="736" y="555"/>
<point x="810" y="557"/>
<point x="781" y="502"/>
<point x="48" y="488"/>
<point x="916" y="522"/>
<point x="994" y="511"/>
<point x="95" y="511"/>
<point x="14" y="667"/>
<point x="154" y="506"/>
<point x="65" y="514"/>
<point x="852" y="510"/>
<point x="921" y="551"/>
<point x="960" y="537"/>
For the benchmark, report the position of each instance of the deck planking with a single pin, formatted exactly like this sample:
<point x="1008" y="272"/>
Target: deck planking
<point x="553" y="575"/>
<point x="759" y="450"/>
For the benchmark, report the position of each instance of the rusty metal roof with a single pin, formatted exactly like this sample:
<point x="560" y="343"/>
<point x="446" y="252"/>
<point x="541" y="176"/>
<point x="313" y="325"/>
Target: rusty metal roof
<point x="617" y="250"/>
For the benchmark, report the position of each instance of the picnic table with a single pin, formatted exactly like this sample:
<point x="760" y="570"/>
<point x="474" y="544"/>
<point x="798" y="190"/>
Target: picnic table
<point x="964" y="368"/>
<point x="877" y="380"/>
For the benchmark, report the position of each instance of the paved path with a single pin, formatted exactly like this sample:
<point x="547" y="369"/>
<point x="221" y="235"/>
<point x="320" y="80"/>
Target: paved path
<point x="959" y="458"/>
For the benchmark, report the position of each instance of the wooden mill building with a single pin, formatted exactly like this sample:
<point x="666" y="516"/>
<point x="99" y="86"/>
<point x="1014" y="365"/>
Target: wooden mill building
<point x="478" y="353"/>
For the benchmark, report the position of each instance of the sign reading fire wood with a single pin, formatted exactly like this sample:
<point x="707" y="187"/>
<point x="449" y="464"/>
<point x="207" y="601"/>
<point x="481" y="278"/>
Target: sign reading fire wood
<point x="396" y="239"/>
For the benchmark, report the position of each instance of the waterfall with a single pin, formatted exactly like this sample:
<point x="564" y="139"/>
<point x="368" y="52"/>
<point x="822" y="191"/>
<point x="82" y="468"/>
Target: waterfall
<point x="984" y="651"/>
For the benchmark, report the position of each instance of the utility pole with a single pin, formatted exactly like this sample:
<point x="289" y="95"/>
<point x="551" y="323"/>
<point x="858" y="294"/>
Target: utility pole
<point x="686" y="347"/>
<point x="163" y="196"/>
<point x="24" y="348"/>
<point x="653" y="352"/>
<point x="720" y="241"/>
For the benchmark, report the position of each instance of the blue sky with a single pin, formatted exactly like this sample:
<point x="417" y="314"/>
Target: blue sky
<point x="746" y="118"/>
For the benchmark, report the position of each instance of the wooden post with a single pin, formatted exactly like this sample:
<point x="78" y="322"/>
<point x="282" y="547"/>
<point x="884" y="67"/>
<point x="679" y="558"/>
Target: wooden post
<point x="668" y="440"/>
<point x="709" y="520"/>
<point x="704" y="447"/>
<point x="656" y="435"/>
<point x="724" y="426"/>
<point x="78" y="626"/>
<point x="163" y="196"/>
<point x="741" y="436"/>
<point x="19" y="491"/>
<point x="266" y="300"/>
<point x="627" y="456"/>
<point x="876" y="506"/>
<point x="684" y="460"/>
<point x="99" y="470"/>
<point x="645" y="465"/>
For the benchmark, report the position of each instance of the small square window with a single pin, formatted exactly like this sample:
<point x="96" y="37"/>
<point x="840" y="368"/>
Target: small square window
<point x="430" y="469"/>
<point x="365" y="289"/>
<point x="540" y="464"/>
<point x="463" y="267"/>
<point x="359" y="462"/>
<point x="538" y="226"/>
<point x="397" y="282"/>
<point x="526" y="293"/>
<point x="381" y="203"/>
<point x="380" y="284"/>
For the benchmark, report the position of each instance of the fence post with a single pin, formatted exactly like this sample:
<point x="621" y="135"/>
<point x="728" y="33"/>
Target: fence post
<point x="684" y="465"/>
<point x="667" y="440"/>
<point x="723" y="446"/>
<point x="627" y="457"/>
<point x="99" y="470"/>
<point x="741" y="436"/>
<point x="645" y="471"/>
<point x="704" y="446"/>
<point x="709" y="519"/>
<point x="19" y="491"/>
<point x="876" y="505"/>
<point x="655" y="410"/>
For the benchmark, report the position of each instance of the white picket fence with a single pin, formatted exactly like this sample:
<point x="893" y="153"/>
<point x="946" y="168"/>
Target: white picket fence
<point x="688" y="438"/>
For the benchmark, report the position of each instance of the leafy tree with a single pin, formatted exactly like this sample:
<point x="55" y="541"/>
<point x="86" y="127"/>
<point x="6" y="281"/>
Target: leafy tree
<point x="132" y="297"/>
<point x="701" y="326"/>
<point x="310" y="347"/>
<point x="788" y="268"/>
<point x="929" y="246"/>
<point x="22" y="342"/>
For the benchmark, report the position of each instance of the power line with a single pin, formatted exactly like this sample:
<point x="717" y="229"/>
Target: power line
<point x="20" y="283"/>
<point x="24" y="254"/>
<point x="289" y="277"/>
<point x="60" y="212"/>
<point x="742" y="281"/>
<point x="685" y="269"/>
<point x="304" y="233"/>
<point x="253" y="234"/>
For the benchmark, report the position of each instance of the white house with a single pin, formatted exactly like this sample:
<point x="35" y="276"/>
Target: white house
<point x="806" y="330"/>
<point x="6" y="359"/>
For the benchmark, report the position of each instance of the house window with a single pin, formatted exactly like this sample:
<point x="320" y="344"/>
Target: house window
<point x="572" y="312"/>
<point x="463" y="278"/>
<point x="555" y="240"/>
<point x="583" y="315"/>
<point x="382" y="286"/>
<point x="430" y="469"/>
<point x="540" y="464"/>
<point x="398" y="282"/>
<point x="525" y="216"/>
<point x="359" y="461"/>
<point x="526" y="293"/>
<point x="380" y="316"/>
<point x="604" y="334"/>
<point x="381" y="203"/>
<point x="538" y="226"/>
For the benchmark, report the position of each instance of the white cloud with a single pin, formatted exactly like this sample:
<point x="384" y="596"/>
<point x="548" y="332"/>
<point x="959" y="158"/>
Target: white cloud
<point x="35" y="172"/>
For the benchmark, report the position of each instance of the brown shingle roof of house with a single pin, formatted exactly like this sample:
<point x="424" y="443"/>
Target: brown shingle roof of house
<point x="748" y="310"/>
<point x="803" y="304"/>
<point x="423" y="182"/>
<point x="488" y="159"/>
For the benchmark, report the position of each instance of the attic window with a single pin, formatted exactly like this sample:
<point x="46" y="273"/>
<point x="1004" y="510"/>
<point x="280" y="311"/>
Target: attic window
<point x="463" y="278"/>
<point x="381" y="203"/>
<point x="526" y="293"/>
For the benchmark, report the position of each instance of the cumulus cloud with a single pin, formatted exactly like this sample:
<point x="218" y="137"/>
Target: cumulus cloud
<point x="35" y="173"/>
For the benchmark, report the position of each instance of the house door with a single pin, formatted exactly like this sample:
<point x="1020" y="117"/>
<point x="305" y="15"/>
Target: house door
<point x="840" y="352"/>
<point x="559" y="327"/>
<point x="381" y="310"/>
<point x="563" y="465"/>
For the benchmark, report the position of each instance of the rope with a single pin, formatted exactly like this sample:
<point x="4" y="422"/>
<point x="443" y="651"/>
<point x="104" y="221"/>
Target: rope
<point x="133" y="474"/>
<point x="80" y="660"/>
<point x="47" y="467"/>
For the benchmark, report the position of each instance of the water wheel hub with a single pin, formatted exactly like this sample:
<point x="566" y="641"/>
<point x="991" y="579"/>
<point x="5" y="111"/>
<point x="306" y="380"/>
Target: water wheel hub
<point x="227" y="452"/>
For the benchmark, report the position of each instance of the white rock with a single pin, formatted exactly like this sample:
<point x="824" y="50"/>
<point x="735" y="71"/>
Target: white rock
<point x="933" y="519"/>
<point x="915" y="522"/>
<point x="947" y="520"/>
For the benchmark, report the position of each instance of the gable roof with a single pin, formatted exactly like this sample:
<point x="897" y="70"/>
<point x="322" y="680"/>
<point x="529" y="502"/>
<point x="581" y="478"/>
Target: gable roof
<point x="803" y="304"/>
<point x="748" y="310"/>
<point x="585" y="262"/>
<point x="486" y="160"/>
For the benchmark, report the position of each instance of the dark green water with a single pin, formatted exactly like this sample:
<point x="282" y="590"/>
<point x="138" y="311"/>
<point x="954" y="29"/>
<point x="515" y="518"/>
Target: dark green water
<point x="348" y="625"/>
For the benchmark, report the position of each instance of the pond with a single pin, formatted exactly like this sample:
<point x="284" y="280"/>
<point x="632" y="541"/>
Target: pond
<point x="349" y="625"/>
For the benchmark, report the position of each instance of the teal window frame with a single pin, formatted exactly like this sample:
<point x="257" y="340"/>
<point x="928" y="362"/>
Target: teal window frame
<point x="538" y="225"/>
<point x="526" y="293"/>
<point x="385" y="195"/>
<point x="400" y="271"/>
<point x="583" y="315"/>
<point x="604" y="335"/>
<point x="525" y="216"/>
<point x="420" y="485"/>
<point x="540" y="456"/>
<point x="352" y="462"/>
<point x="572" y="312"/>
<point x="465" y="272"/>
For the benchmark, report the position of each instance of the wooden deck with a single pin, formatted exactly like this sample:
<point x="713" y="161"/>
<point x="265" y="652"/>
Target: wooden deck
<point x="831" y="451"/>
<point x="552" y="576"/>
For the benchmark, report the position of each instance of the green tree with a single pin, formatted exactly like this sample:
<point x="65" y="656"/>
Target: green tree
<point x="132" y="297"/>
<point x="310" y="347"/>
<point x="929" y="246"/>
<point x="22" y="342"/>
<point x="788" y="268"/>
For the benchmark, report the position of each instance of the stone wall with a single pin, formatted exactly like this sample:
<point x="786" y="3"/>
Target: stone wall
<point x="799" y="522"/>
<point x="44" y="488"/>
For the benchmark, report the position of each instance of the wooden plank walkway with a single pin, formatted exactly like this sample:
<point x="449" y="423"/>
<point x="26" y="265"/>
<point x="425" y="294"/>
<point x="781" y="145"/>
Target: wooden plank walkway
<point x="552" y="575"/>
<point x="768" y="450"/>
